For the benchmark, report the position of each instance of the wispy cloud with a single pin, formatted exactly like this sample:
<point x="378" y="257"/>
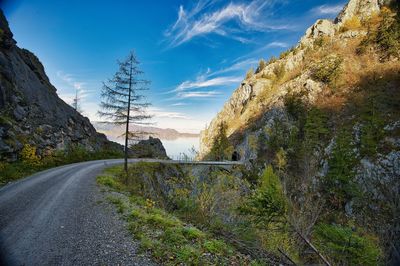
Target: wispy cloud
<point x="241" y="65"/>
<point x="201" y="82"/>
<point x="198" y="94"/>
<point x="230" y="75"/>
<point x="327" y="9"/>
<point x="179" y="104"/>
<point x="68" y="78"/>
<point x="277" y="44"/>
<point x="161" y="113"/>
<point x="204" y="19"/>
<point x="74" y="84"/>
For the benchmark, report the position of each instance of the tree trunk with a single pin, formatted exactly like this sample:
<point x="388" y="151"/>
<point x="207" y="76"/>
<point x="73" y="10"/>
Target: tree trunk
<point x="127" y="119"/>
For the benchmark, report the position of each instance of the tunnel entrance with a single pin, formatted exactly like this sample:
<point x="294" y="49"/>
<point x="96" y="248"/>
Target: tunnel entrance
<point x="235" y="156"/>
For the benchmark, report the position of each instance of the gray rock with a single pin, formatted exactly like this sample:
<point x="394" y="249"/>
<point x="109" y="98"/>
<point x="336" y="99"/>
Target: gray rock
<point x="150" y="148"/>
<point x="360" y="8"/>
<point x="19" y="113"/>
<point x="4" y="147"/>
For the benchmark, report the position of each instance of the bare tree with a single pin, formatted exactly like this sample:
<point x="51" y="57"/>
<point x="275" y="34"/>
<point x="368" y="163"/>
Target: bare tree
<point x="76" y="101"/>
<point x="122" y="99"/>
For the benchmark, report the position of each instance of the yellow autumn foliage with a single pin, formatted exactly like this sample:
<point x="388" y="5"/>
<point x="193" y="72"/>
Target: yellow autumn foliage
<point x="29" y="156"/>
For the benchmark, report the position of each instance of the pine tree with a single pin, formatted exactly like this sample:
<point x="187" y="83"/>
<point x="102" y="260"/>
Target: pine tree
<point x="123" y="102"/>
<point x="221" y="148"/>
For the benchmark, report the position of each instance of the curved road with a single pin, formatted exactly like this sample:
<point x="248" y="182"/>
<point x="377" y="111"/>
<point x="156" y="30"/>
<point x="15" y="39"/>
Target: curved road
<point x="59" y="217"/>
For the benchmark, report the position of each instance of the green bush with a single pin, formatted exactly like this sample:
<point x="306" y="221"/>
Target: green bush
<point x="385" y="36"/>
<point x="294" y="105"/>
<point x="328" y="69"/>
<point x="316" y="127"/>
<point x="268" y="203"/>
<point x="346" y="247"/>
<point x="221" y="148"/>
<point x="388" y="35"/>
<point x="339" y="182"/>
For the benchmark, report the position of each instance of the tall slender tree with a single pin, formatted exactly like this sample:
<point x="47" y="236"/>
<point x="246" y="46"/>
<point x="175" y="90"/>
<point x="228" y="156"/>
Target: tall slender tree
<point x="76" y="101"/>
<point x="123" y="102"/>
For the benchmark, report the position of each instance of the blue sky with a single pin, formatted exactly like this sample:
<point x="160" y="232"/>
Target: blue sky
<point x="194" y="52"/>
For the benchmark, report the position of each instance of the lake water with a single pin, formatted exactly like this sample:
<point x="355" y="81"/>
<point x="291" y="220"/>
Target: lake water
<point x="176" y="147"/>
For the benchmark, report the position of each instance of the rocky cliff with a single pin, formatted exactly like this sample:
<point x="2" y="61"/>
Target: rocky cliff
<point x="253" y="87"/>
<point x="325" y="115"/>
<point x="31" y="111"/>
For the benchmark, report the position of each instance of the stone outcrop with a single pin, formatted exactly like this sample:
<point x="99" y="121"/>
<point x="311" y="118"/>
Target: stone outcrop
<point x="31" y="111"/>
<point x="150" y="148"/>
<point x="360" y="8"/>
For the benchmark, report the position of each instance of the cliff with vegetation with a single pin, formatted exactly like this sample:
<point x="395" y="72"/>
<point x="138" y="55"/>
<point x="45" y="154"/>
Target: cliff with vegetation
<point x="34" y="122"/>
<point x="324" y="117"/>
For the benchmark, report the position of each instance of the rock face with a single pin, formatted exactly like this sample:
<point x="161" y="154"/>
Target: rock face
<point x="361" y="8"/>
<point x="150" y="148"/>
<point x="31" y="111"/>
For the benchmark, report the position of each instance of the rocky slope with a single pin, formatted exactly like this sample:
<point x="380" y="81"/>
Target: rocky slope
<point x="243" y="97"/>
<point x="31" y="111"/>
<point x="326" y="116"/>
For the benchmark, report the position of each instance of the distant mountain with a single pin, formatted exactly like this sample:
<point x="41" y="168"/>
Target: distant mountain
<point x="113" y="131"/>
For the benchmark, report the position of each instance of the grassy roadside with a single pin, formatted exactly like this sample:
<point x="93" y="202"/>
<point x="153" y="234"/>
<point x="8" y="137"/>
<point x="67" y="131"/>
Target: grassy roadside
<point x="215" y="216"/>
<point x="30" y="163"/>
<point x="169" y="239"/>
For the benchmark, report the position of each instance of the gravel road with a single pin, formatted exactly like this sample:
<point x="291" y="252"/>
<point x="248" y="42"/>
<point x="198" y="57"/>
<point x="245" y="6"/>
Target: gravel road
<point x="60" y="217"/>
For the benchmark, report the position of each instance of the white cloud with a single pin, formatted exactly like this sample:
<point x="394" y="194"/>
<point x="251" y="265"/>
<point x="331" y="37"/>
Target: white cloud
<point x="179" y="104"/>
<point x="161" y="113"/>
<point x="241" y="65"/>
<point x="201" y="21"/>
<point x="202" y="82"/>
<point x="198" y="94"/>
<point x="73" y="86"/>
<point x="277" y="44"/>
<point x="328" y="9"/>
<point x="68" y="78"/>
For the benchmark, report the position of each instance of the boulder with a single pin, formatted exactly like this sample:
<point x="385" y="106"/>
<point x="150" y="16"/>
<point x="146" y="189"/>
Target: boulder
<point x="150" y="148"/>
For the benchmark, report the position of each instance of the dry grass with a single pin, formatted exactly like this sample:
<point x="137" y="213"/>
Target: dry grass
<point x="353" y="23"/>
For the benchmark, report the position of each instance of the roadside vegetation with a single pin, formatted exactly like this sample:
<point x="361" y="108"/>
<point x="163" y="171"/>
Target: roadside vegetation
<point x="169" y="223"/>
<point x="29" y="162"/>
<point x="224" y="217"/>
